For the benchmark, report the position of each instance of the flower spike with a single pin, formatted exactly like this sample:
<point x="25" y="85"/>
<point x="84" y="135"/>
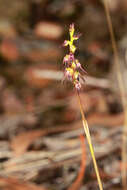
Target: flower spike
<point x="72" y="65"/>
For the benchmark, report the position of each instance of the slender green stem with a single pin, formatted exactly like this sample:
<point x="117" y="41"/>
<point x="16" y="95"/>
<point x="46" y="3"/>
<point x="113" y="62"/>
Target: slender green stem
<point x="122" y="93"/>
<point x="86" y="129"/>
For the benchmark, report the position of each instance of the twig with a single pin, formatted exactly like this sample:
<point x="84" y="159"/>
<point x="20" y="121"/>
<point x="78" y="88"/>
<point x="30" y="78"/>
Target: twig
<point x="77" y="183"/>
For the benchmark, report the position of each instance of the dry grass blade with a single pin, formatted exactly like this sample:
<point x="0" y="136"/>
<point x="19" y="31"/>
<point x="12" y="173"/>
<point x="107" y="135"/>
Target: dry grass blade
<point x="122" y="92"/>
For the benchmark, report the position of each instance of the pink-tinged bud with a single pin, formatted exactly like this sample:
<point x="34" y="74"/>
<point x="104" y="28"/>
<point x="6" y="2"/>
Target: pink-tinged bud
<point x="69" y="73"/>
<point x="76" y="37"/>
<point x="71" y="27"/>
<point x="66" y="43"/>
<point x="66" y="59"/>
<point x="78" y="64"/>
<point x="78" y="86"/>
<point x="71" y="56"/>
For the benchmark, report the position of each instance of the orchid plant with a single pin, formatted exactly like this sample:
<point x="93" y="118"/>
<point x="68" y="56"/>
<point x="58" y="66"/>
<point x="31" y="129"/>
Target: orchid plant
<point x="72" y="72"/>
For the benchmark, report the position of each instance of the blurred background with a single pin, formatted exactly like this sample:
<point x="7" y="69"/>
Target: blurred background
<point x="41" y="147"/>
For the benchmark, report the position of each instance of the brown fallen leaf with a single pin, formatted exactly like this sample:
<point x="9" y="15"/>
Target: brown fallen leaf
<point x="106" y="119"/>
<point x="23" y="140"/>
<point x="15" y="184"/>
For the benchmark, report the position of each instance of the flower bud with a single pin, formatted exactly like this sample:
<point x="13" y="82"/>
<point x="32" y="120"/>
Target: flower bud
<point x="69" y="72"/>
<point x="71" y="29"/>
<point x="73" y="65"/>
<point x="72" y="48"/>
<point x="66" y="43"/>
<point x="77" y="85"/>
<point x="66" y="59"/>
<point x="78" y="63"/>
<point x="76" y="37"/>
<point x="71" y="56"/>
<point x="76" y="75"/>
